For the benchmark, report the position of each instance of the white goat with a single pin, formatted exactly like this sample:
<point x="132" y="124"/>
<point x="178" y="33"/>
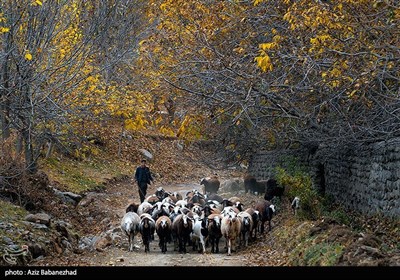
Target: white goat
<point x="200" y="232"/>
<point x="130" y="225"/>
<point x="295" y="204"/>
<point x="144" y="207"/>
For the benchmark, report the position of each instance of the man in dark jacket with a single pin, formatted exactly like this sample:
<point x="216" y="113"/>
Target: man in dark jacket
<point x="143" y="178"/>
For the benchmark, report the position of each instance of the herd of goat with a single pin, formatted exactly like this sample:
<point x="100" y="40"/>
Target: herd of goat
<point x="200" y="218"/>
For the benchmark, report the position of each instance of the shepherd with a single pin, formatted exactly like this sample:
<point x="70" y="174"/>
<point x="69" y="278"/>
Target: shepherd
<point x="143" y="179"/>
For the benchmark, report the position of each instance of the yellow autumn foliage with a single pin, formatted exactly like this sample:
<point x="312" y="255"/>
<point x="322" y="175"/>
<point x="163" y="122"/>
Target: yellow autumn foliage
<point x="28" y="56"/>
<point x="264" y="62"/>
<point x="4" y="30"/>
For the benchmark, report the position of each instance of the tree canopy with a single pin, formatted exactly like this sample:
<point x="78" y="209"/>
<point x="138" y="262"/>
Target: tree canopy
<point x="250" y="75"/>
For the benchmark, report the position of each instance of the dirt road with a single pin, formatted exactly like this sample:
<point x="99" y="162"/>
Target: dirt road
<point x="119" y="255"/>
<point x="113" y="202"/>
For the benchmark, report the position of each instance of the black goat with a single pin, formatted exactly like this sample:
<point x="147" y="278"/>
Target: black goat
<point x="255" y="215"/>
<point x="251" y="185"/>
<point x="147" y="227"/>
<point x="214" y="231"/>
<point x="273" y="189"/>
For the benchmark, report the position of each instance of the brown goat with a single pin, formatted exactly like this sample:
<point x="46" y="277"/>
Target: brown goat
<point x="182" y="226"/>
<point x="132" y="207"/>
<point x="211" y="184"/>
<point x="163" y="230"/>
<point x="230" y="229"/>
<point x="266" y="210"/>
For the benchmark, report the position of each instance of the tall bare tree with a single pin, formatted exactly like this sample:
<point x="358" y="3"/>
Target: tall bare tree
<point x="50" y="48"/>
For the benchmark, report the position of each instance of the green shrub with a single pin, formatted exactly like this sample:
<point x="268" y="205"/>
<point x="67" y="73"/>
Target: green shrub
<point x="298" y="182"/>
<point x="340" y="216"/>
<point x="321" y="254"/>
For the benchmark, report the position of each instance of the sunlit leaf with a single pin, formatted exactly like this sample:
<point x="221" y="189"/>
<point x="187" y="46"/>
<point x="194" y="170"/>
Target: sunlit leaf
<point x="28" y="56"/>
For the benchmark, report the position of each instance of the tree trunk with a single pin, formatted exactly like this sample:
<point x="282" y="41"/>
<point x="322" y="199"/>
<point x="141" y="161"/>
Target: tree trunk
<point x="19" y="143"/>
<point x="5" y="91"/>
<point x="30" y="162"/>
<point x="49" y="149"/>
<point x="27" y="120"/>
<point x="121" y="138"/>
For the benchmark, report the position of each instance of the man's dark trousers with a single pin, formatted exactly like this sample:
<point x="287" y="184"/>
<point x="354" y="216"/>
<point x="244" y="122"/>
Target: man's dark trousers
<point x="142" y="190"/>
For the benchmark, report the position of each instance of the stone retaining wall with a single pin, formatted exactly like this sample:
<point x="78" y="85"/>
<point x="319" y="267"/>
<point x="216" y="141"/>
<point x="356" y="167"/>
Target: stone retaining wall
<point x="366" y="179"/>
